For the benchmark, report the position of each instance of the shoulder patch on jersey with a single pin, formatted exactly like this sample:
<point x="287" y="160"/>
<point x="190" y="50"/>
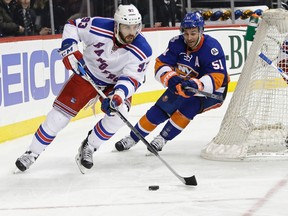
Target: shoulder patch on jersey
<point x="214" y="51"/>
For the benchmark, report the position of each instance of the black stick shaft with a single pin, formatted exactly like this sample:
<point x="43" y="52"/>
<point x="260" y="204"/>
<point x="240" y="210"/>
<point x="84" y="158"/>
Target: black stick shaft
<point x="185" y="180"/>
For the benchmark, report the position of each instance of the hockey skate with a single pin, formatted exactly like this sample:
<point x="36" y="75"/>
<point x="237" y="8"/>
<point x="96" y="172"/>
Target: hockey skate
<point x="26" y="160"/>
<point x="84" y="158"/>
<point x="125" y="143"/>
<point x="158" y="143"/>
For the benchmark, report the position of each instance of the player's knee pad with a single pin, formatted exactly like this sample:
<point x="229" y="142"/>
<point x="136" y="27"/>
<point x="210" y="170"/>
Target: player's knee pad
<point x="55" y="121"/>
<point x="191" y="107"/>
<point x="179" y="120"/>
<point x="156" y="115"/>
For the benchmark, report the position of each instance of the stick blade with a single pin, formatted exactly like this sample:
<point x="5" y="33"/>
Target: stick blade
<point x="191" y="180"/>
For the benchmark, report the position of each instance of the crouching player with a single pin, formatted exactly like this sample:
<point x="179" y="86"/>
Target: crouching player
<point x="116" y="54"/>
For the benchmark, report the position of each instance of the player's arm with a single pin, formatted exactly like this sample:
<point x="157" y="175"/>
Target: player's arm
<point x="164" y="67"/>
<point x="172" y="79"/>
<point x="134" y="73"/>
<point x="131" y="79"/>
<point x="165" y="63"/>
<point x="214" y="80"/>
<point x="216" y="75"/>
<point x="70" y="39"/>
<point x="166" y="75"/>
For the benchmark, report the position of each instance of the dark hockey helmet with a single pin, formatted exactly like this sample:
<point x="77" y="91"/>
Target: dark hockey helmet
<point x="192" y="20"/>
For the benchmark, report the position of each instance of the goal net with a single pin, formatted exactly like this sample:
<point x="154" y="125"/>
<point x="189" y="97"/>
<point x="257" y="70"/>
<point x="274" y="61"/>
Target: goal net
<point x="255" y="125"/>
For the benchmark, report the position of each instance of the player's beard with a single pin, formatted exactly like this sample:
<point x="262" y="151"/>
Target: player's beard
<point x="128" y="39"/>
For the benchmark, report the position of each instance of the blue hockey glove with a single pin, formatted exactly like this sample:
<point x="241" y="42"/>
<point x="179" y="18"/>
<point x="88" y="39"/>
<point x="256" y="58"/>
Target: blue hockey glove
<point x="109" y="105"/>
<point x="191" y="83"/>
<point x="174" y="81"/>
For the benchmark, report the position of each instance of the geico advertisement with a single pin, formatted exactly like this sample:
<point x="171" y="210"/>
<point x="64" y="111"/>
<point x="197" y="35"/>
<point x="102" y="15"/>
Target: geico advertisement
<point x="32" y="73"/>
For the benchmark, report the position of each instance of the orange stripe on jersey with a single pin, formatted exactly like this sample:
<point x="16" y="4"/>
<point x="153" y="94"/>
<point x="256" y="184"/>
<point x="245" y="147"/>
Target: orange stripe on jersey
<point x="167" y="76"/>
<point x="146" y="124"/>
<point x="180" y="120"/>
<point x="159" y="64"/>
<point x="218" y="79"/>
<point x="212" y="107"/>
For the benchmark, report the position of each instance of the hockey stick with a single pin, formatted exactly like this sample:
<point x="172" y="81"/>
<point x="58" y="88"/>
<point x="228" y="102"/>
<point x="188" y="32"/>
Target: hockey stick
<point x="268" y="61"/>
<point x="206" y="94"/>
<point x="185" y="180"/>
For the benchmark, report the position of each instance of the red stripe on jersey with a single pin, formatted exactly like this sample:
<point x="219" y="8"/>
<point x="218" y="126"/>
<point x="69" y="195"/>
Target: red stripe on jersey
<point x="135" y="82"/>
<point x="137" y="50"/>
<point x="102" y="30"/>
<point x="65" y="108"/>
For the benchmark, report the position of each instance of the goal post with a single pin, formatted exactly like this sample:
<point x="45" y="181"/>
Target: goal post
<point x="255" y="124"/>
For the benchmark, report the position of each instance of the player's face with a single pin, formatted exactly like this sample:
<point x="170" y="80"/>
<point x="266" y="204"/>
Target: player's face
<point x="192" y="37"/>
<point x="129" y="32"/>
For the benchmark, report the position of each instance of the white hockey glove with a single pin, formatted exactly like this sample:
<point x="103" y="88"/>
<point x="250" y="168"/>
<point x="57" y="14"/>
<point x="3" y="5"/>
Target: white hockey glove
<point x="72" y="57"/>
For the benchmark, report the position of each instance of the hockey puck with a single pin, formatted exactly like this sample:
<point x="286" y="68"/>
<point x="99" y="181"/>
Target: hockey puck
<point x="153" y="187"/>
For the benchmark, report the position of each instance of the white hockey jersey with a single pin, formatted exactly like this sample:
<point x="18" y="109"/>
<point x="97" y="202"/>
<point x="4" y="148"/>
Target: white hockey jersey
<point x="125" y="66"/>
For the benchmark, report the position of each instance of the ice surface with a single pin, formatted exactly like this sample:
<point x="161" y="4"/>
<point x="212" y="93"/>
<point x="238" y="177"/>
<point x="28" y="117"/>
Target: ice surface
<point x="118" y="182"/>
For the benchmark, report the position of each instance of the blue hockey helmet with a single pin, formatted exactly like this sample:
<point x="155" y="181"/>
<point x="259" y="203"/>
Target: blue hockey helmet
<point x="192" y="20"/>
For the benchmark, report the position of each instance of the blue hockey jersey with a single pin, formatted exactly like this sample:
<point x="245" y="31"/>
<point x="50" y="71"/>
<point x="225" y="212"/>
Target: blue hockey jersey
<point x="206" y="62"/>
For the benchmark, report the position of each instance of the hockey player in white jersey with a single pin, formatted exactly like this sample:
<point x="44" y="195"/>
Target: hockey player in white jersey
<point x="116" y="54"/>
<point x="194" y="60"/>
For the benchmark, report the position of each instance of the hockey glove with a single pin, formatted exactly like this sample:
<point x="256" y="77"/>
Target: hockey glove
<point x="171" y="80"/>
<point x="72" y="57"/>
<point x="109" y="105"/>
<point x="192" y="83"/>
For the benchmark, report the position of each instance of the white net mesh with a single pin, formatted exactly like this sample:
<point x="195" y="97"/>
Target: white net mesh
<point x="256" y="122"/>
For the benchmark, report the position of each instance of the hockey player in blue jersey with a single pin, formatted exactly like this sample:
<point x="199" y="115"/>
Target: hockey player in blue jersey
<point x="116" y="54"/>
<point x="192" y="59"/>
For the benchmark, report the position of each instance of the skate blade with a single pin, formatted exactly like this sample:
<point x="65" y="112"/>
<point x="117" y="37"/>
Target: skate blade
<point x="17" y="171"/>
<point x="114" y="150"/>
<point x="149" y="154"/>
<point x="81" y="168"/>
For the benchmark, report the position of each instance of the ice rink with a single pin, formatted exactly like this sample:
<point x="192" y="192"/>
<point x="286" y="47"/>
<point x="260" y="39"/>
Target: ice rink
<point x="118" y="183"/>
